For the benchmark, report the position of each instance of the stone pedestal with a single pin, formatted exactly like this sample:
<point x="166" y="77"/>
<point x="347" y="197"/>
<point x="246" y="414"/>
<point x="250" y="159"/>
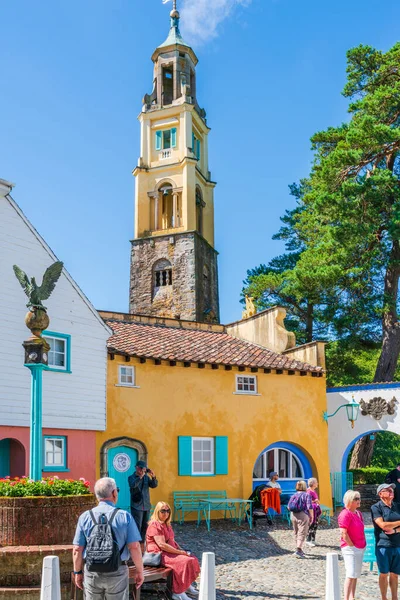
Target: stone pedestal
<point x="30" y="529"/>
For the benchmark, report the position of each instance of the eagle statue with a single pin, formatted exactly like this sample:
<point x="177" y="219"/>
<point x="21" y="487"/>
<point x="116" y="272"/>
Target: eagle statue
<point x="35" y="292"/>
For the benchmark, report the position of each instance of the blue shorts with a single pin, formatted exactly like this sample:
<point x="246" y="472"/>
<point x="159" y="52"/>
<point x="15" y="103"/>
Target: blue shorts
<point x="388" y="559"/>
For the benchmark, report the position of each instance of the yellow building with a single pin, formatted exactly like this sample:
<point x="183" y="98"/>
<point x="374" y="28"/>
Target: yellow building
<point x="208" y="406"/>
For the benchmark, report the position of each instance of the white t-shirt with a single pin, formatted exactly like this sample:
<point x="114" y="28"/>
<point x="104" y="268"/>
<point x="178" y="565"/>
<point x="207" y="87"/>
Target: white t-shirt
<point x="273" y="484"/>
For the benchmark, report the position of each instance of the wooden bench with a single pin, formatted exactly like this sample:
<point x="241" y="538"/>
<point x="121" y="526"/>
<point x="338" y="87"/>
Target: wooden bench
<point x="151" y="574"/>
<point x="188" y="502"/>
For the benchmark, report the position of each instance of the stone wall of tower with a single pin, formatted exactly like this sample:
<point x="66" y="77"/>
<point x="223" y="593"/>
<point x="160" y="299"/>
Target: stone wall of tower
<point x="192" y="295"/>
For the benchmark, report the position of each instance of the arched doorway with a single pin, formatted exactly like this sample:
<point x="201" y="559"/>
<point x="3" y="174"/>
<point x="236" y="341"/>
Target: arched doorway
<point x="12" y="458"/>
<point x="118" y="458"/>
<point x="288" y="460"/>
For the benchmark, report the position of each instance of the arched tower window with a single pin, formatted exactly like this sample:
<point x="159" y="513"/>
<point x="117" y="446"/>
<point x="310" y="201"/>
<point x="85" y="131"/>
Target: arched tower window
<point x="162" y="274"/>
<point x="200" y="204"/>
<point x="167" y="85"/>
<point x="167" y="207"/>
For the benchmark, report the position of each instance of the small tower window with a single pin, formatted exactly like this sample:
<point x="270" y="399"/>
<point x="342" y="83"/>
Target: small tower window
<point x="162" y="274"/>
<point x="168" y="86"/>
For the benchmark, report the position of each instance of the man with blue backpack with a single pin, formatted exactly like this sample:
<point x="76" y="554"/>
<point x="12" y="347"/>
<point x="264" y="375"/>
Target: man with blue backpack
<point x="105" y="538"/>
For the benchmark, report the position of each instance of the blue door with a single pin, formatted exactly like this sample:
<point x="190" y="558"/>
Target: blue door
<point x="121" y="463"/>
<point x="4" y="458"/>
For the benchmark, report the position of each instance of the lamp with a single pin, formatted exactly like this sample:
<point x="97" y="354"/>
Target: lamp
<point x="352" y="409"/>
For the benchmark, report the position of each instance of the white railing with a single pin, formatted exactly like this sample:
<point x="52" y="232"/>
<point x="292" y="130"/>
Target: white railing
<point x="165" y="154"/>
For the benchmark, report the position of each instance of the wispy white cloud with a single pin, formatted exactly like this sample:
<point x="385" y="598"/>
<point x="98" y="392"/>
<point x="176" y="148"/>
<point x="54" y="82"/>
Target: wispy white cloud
<point x="201" y="18"/>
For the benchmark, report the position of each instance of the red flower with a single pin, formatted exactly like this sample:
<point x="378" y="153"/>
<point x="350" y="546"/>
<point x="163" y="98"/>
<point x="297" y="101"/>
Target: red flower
<point x="87" y="484"/>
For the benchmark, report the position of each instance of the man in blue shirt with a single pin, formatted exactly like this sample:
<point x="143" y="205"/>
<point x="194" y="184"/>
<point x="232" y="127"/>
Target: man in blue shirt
<point x="113" y="585"/>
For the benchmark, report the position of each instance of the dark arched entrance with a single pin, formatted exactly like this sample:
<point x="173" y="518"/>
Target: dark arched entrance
<point x="12" y="458"/>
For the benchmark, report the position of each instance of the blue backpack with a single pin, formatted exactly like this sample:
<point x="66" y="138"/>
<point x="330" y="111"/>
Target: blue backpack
<point x="297" y="502"/>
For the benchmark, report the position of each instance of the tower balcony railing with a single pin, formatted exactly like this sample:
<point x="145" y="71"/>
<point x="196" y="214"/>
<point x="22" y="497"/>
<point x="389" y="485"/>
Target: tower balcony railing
<point x="165" y="154"/>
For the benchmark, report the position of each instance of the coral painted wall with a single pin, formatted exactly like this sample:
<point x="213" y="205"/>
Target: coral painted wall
<point x="81" y="451"/>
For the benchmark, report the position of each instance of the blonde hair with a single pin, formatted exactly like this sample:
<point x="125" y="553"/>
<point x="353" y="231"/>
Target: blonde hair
<point x="156" y="514"/>
<point x="349" y="497"/>
<point x="301" y="486"/>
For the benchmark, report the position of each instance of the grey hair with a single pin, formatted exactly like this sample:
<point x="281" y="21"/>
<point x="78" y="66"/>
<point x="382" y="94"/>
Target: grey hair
<point x="312" y="481"/>
<point x="104" y="487"/>
<point x="349" y="497"/>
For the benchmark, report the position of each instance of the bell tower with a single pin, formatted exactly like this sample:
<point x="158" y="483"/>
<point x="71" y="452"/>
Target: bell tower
<point x="173" y="260"/>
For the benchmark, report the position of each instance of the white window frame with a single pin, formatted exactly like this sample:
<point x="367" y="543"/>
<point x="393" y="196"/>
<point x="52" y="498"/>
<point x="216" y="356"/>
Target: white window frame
<point x="265" y="471"/>
<point x="50" y="338"/>
<point x="245" y="376"/>
<point x="212" y="440"/>
<point x="125" y="384"/>
<point x="55" y="466"/>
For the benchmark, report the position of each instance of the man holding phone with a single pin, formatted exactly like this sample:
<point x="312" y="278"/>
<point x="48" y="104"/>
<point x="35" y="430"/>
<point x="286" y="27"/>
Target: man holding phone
<point x="140" y="483"/>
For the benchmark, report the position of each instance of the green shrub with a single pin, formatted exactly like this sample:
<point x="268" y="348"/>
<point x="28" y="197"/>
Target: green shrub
<point x="51" y="486"/>
<point x="369" y="475"/>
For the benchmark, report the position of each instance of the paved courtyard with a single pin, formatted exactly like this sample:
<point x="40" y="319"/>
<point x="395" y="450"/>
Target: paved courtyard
<point x="260" y="563"/>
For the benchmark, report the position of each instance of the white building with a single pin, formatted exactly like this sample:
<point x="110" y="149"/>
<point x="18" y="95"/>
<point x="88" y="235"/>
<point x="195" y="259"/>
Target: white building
<point x="74" y="387"/>
<point x="342" y="436"/>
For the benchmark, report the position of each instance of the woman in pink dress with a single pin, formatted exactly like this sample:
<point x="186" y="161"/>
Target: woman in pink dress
<point x="185" y="568"/>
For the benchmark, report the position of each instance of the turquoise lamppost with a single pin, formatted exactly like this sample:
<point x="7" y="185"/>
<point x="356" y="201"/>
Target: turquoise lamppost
<point x="36" y="354"/>
<point x="352" y="409"/>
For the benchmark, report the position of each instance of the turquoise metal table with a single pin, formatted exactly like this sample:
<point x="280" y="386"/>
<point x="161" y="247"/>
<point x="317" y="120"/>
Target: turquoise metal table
<point x="239" y="509"/>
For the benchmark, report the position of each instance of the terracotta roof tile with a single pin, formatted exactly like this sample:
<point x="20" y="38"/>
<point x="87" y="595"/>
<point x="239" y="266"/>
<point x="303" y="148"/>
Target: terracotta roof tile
<point x="191" y="345"/>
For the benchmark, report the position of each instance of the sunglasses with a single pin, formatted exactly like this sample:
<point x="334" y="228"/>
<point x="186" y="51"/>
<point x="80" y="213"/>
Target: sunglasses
<point x="357" y="498"/>
<point x="165" y="510"/>
<point x="116" y="490"/>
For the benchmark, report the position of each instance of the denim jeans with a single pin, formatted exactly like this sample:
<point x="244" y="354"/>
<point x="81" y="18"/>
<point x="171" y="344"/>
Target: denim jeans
<point x="106" y="586"/>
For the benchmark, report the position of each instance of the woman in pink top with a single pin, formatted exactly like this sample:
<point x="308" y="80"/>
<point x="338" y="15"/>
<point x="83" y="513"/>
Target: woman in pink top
<point x="352" y="541"/>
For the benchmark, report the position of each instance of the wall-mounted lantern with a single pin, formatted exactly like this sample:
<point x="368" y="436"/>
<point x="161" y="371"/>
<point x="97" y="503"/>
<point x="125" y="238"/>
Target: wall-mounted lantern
<point x="352" y="409"/>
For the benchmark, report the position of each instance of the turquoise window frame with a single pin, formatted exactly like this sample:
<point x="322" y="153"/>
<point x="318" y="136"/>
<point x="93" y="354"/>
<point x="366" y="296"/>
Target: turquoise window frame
<point x="185" y="463"/>
<point x="67" y="338"/>
<point x="56" y="468"/>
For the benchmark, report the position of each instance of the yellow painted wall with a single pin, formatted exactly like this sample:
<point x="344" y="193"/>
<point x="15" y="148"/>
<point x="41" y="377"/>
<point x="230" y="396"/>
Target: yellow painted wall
<point x="176" y="401"/>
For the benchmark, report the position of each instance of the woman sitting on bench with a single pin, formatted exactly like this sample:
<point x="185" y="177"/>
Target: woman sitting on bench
<point x="185" y="568"/>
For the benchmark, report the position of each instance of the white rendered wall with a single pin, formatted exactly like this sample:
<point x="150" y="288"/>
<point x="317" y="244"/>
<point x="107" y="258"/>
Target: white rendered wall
<point x="340" y="432"/>
<point x="74" y="400"/>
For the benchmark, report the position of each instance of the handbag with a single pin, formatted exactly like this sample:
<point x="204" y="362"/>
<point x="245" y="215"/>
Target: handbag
<point x="151" y="559"/>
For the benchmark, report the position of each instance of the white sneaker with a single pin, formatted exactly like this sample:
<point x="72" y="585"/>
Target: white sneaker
<point x="192" y="591"/>
<point x="181" y="596"/>
<point x="310" y="544"/>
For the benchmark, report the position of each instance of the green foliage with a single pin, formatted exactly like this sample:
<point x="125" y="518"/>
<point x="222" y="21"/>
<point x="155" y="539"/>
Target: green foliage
<point x="369" y="475"/>
<point x="52" y="486"/>
<point x="351" y="361"/>
<point x="386" y="451"/>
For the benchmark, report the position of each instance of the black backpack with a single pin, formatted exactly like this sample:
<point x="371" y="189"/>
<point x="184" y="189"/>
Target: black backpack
<point x="102" y="552"/>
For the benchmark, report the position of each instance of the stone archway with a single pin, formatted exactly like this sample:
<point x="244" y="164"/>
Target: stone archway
<point x="120" y="441"/>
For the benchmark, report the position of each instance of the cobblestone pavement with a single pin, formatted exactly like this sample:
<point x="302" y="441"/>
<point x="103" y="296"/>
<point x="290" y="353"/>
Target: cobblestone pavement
<point x="260" y="563"/>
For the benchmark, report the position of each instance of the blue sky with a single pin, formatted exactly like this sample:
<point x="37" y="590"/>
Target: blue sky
<point x="72" y="77"/>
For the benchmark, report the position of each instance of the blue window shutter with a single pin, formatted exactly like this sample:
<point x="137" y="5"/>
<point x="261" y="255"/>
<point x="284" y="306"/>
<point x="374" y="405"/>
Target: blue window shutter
<point x="198" y="149"/>
<point x="193" y="143"/>
<point x="173" y="137"/>
<point x="184" y="455"/>
<point x="158" y="140"/>
<point x="221" y="455"/>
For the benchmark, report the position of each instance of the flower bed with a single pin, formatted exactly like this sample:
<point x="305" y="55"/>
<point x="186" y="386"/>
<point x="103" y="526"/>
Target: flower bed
<point x="41" y="512"/>
<point x="51" y="486"/>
